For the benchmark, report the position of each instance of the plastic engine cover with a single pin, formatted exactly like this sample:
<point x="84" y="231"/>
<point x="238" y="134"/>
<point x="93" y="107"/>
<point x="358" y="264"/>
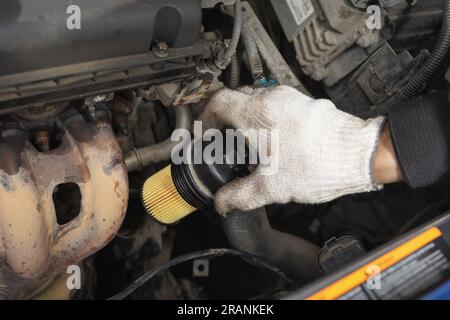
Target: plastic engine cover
<point x="34" y="33"/>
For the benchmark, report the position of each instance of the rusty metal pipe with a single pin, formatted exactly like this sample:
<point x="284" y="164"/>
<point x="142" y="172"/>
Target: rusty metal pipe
<point x="138" y="159"/>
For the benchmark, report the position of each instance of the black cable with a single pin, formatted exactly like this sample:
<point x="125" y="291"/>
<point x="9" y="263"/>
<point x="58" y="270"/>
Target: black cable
<point x="254" y="59"/>
<point x="222" y="61"/>
<point x="235" y="73"/>
<point x="434" y="208"/>
<point x="416" y="84"/>
<point x="209" y="254"/>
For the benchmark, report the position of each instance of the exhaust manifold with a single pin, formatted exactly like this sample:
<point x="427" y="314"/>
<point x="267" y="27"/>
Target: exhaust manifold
<point x="34" y="245"/>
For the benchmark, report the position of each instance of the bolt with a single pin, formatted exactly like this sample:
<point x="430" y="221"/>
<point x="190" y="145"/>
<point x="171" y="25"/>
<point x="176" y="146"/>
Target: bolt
<point x="363" y="42"/>
<point x="41" y="140"/>
<point x="99" y="98"/>
<point x="161" y="49"/>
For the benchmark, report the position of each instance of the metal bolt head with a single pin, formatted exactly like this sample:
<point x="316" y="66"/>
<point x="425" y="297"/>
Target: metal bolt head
<point x="99" y="98"/>
<point x="161" y="49"/>
<point x="41" y="140"/>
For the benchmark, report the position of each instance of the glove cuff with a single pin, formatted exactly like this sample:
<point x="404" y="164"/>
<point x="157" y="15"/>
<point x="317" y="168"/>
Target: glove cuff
<point x="346" y="150"/>
<point x="365" y="139"/>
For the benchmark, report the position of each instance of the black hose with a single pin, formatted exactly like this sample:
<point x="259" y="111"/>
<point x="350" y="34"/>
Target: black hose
<point x="417" y="83"/>
<point x="208" y="254"/>
<point x="251" y="232"/>
<point x="254" y="59"/>
<point x="224" y="60"/>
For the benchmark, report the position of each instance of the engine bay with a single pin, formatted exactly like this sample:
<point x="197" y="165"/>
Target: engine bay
<point x="87" y="114"/>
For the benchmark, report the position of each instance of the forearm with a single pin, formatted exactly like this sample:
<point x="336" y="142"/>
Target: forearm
<point x="385" y="165"/>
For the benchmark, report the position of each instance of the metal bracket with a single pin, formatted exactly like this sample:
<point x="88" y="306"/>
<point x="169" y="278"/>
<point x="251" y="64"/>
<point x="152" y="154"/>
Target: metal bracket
<point x="200" y="268"/>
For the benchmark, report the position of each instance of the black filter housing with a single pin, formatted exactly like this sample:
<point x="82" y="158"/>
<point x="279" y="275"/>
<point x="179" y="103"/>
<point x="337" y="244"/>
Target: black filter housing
<point x="34" y="33"/>
<point x="197" y="183"/>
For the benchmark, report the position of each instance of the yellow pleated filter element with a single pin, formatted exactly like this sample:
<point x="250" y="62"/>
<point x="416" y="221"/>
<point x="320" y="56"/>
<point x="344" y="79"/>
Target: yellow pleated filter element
<point x="162" y="200"/>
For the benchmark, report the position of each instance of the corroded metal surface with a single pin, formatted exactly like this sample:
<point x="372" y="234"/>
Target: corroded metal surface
<point x="33" y="246"/>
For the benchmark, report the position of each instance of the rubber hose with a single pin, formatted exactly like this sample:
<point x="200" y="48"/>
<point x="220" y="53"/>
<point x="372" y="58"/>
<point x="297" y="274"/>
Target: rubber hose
<point x="251" y="232"/>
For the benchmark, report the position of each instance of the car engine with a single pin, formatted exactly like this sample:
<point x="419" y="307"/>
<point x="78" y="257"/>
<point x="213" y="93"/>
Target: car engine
<point x="87" y="112"/>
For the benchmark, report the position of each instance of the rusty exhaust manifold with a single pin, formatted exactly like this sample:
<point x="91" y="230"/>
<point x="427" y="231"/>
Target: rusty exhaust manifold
<point x="34" y="247"/>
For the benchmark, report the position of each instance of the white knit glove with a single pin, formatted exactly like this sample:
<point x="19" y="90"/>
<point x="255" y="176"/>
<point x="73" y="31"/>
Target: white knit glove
<point x="322" y="152"/>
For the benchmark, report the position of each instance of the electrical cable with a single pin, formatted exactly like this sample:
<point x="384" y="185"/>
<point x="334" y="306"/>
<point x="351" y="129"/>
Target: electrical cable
<point x="254" y="59"/>
<point x="235" y="73"/>
<point x="205" y="254"/>
<point x="439" y="206"/>
<point x="223" y="60"/>
<point x="417" y="83"/>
